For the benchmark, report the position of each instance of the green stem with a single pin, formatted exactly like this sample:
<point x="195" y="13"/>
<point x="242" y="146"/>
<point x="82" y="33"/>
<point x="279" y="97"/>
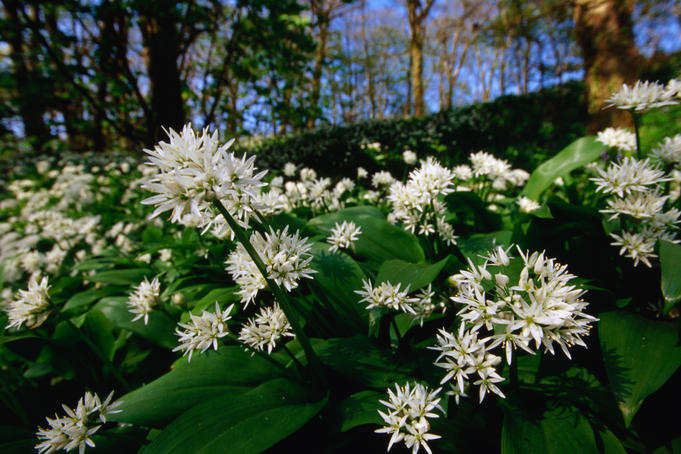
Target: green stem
<point x="279" y="294"/>
<point x="636" y="118"/>
<point x="293" y="357"/>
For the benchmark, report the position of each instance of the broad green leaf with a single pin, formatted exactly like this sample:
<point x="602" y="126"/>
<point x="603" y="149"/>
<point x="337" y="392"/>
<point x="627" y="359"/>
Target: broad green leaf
<point x="580" y="152"/>
<point x="233" y="423"/>
<point x="470" y="208"/>
<point x="639" y="355"/>
<point x="221" y="295"/>
<point x="152" y="234"/>
<point x="480" y="244"/>
<point x="88" y="296"/>
<point x="359" y="408"/>
<point x="359" y="359"/>
<point x="379" y="240"/>
<point x="563" y="430"/>
<point x="98" y="329"/>
<point x="229" y="370"/>
<point x="337" y="278"/>
<point x="160" y="329"/>
<point x="415" y="275"/>
<point x="130" y="276"/>
<point x="670" y="261"/>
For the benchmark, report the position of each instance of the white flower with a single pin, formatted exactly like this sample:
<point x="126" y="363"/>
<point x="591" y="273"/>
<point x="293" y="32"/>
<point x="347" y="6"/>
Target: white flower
<point x="407" y="416"/>
<point x="203" y="331"/>
<point x="343" y="236"/>
<point x="630" y="175"/>
<point x="266" y="329"/>
<point x="386" y="295"/>
<point x="145" y="296"/>
<point x="285" y="256"/>
<point x="637" y="246"/>
<point x="289" y="169"/>
<point x="382" y="178"/>
<point x="32" y="306"/>
<point x="641" y="97"/>
<point x="307" y="174"/>
<point x="76" y="428"/>
<point x="618" y="138"/>
<point x="639" y="205"/>
<point x="193" y="170"/>
<point x="668" y="151"/>
<point x="361" y="173"/>
<point x="409" y="157"/>
<point x="527" y="205"/>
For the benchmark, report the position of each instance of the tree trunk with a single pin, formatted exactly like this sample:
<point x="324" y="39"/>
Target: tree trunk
<point x="32" y="107"/>
<point x="604" y="31"/>
<point x="158" y="23"/>
<point x="417" y="15"/>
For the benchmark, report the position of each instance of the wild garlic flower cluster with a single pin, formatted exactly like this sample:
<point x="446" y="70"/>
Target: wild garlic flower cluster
<point x="618" y="138"/>
<point x="644" y="96"/>
<point x="32" y="306"/>
<point x="266" y="329"/>
<point x="193" y="170"/>
<point x="637" y="200"/>
<point x="285" y="256"/>
<point x="75" y="429"/>
<point x="343" y="236"/>
<point x="668" y="152"/>
<point x="417" y="204"/>
<point x="509" y="302"/>
<point x="386" y="295"/>
<point x="203" y="331"/>
<point x="486" y="171"/>
<point x="407" y="414"/>
<point x="527" y="205"/>
<point x="318" y="194"/>
<point x="144" y="298"/>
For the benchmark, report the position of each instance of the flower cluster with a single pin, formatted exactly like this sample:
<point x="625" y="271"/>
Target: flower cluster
<point x="386" y="295"/>
<point x="406" y="419"/>
<point x="343" y="236"/>
<point x="266" y="329"/>
<point x="318" y="194"/>
<point x="417" y="205"/>
<point x="144" y="298"/>
<point x="636" y="199"/>
<point x="503" y="307"/>
<point x="527" y="205"/>
<point x="643" y="96"/>
<point x="618" y="138"/>
<point x="285" y="256"/>
<point x="193" y="171"/>
<point x="203" y="331"/>
<point x="76" y="428"/>
<point x="32" y="306"/>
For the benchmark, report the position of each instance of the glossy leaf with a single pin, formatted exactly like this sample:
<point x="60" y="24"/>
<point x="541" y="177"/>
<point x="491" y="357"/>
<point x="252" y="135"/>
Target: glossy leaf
<point x="239" y="423"/>
<point x="639" y="355"/>
<point x="670" y="261"/>
<point x="580" y="152"/>
<point x="416" y="275"/>
<point x="230" y="370"/>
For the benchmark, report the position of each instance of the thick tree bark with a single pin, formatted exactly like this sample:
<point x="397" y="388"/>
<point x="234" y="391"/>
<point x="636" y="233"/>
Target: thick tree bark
<point x="32" y="106"/>
<point x="604" y="31"/>
<point x="158" y="22"/>
<point x="417" y="14"/>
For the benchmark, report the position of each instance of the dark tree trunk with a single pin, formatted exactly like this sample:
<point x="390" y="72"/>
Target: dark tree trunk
<point x="158" y="22"/>
<point x="604" y="31"/>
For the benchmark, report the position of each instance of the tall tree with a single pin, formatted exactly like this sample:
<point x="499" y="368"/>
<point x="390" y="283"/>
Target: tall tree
<point x="417" y="12"/>
<point x="604" y="32"/>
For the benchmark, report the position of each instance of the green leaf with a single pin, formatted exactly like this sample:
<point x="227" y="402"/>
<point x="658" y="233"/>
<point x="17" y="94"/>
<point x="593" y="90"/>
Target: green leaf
<point x="639" y="355"/>
<point x="152" y="234"/>
<point x="221" y="295"/>
<point x="415" y="275"/>
<point x="228" y="370"/>
<point x="359" y="359"/>
<point x="379" y="240"/>
<point x="160" y="329"/>
<point x="580" y="152"/>
<point x="558" y="431"/>
<point x="88" y="296"/>
<point x="337" y="278"/>
<point x="245" y="424"/>
<point x="670" y="262"/>
<point x="469" y="206"/>
<point x="98" y="329"/>
<point x="130" y="276"/>
<point x="480" y="244"/>
<point x="357" y="409"/>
